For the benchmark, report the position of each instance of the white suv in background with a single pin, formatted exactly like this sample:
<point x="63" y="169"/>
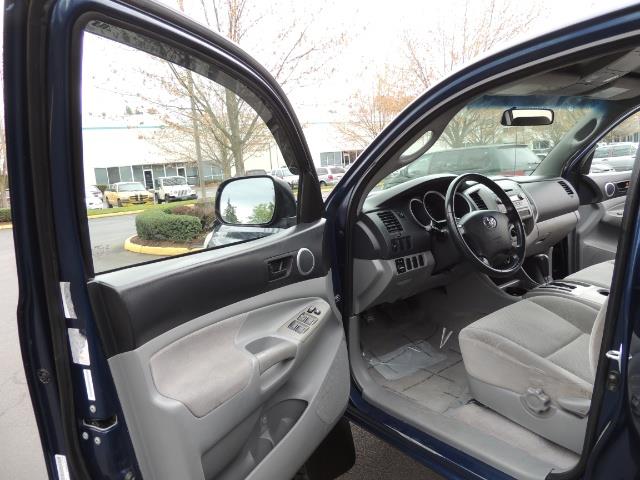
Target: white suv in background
<point x="285" y="174"/>
<point x="93" y="197"/>
<point x="167" y="189"/>
<point x="329" y="175"/>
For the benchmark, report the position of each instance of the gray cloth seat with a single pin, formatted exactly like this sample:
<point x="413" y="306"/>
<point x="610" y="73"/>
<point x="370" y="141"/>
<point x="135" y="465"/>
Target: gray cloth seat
<point x="600" y="275"/>
<point x="534" y="362"/>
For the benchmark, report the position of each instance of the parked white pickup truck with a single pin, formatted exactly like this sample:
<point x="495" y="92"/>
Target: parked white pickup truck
<point x="168" y="189"/>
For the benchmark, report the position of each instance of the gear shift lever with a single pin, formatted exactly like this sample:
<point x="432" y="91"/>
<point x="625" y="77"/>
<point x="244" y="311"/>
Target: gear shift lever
<point x="544" y="265"/>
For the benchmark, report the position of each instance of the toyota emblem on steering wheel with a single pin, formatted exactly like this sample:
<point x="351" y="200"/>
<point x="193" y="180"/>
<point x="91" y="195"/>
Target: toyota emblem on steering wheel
<point x="489" y="222"/>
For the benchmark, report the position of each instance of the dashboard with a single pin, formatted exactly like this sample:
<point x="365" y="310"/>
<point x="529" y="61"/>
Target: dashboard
<point x="430" y="208"/>
<point x="401" y="241"/>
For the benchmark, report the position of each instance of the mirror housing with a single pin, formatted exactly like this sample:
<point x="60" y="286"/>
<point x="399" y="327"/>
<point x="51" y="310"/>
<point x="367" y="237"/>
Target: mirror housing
<point x="527" y="117"/>
<point x="247" y="201"/>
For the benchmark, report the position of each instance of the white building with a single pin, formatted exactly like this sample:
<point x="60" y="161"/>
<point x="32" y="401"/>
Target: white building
<point x="126" y="149"/>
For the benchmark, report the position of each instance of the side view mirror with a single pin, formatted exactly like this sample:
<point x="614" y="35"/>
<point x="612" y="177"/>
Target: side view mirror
<point x="258" y="201"/>
<point x="525" y="117"/>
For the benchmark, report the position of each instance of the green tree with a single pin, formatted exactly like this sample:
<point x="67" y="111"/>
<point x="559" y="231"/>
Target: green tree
<point x="262" y="213"/>
<point x="230" y="215"/>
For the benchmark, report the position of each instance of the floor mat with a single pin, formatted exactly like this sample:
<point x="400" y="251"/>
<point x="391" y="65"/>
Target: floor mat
<point x="438" y="381"/>
<point x="407" y="360"/>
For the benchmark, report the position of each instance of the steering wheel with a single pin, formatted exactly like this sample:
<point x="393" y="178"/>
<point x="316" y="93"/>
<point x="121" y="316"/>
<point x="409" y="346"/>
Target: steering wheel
<point x="493" y="241"/>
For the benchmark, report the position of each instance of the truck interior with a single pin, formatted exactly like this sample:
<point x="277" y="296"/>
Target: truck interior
<point x="491" y="343"/>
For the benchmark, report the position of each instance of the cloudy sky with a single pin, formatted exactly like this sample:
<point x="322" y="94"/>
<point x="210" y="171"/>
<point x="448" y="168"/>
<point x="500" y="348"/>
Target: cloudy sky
<point x="375" y="31"/>
<point x="372" y="33"/>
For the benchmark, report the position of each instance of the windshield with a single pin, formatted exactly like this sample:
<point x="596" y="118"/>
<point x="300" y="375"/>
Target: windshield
<point x="130" y="187"/>
<point x="169" y="181"/>
<point x="475" y="141"/>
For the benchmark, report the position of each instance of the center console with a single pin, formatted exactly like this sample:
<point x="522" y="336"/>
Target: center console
<point x="583" y="292"/>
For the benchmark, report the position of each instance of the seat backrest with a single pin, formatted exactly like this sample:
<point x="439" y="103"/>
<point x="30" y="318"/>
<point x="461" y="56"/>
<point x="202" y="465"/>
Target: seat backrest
<point x="595" y="340"/>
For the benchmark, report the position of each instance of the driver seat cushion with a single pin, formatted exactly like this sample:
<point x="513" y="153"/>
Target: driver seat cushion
<point x="600" y="275"/>
<point x="541" y="342"/>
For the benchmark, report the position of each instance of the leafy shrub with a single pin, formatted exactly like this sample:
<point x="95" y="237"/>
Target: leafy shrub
<point x="180" y="210"/>
<point x="160" y="225"/>
<point x="5" y="214"/>
<point x="204" y="211"/>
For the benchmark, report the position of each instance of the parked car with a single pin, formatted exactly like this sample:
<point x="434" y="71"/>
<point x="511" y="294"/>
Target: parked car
<point x="169" y="189"/>
<point x="427" y="313"/>
<point x="127" y="193"/>
<point x="492" y="160"/>
<point x="255" y="172"/>
<point x="285" y="174"/>
<point x="618" y="156"/>
<point x="600" y="167"/>
<point x="93" y="198"/>
<point x="329" y="175"/>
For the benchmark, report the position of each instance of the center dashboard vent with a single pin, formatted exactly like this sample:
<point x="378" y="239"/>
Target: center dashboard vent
<point x="566" y="187"/>
<point x="477" y="199"/>
<point x="391" y="222"/>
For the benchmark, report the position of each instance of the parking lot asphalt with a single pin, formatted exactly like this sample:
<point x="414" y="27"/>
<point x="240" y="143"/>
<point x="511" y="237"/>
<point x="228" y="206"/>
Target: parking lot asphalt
<point x="20" y="450"/>
<point x="107" y="239"/>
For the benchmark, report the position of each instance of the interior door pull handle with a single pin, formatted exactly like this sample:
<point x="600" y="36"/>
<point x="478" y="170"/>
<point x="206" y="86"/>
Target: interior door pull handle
<point x="274" y="354"/>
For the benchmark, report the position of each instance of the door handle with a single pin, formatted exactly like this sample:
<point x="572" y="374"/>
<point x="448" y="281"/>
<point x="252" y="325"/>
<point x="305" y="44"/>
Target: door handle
<point x="274" y="352"/>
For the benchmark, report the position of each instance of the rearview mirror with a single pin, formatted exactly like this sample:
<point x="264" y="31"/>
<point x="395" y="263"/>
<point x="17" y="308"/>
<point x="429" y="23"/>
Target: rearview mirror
<point x="256" y="201"/>
<point x="521" y="117"/>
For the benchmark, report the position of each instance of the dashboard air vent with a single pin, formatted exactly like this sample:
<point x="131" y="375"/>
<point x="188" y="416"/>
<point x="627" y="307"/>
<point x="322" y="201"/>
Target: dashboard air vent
<point x="566" y="187"/>
<point x="390" y="221"/>
<point x="477" y="199"/>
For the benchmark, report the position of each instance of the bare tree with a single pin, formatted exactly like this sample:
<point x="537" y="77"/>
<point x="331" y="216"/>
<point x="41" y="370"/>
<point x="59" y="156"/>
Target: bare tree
<point x="626" y="129"/>
<point x="447" y="43"/>
<point x="226" y="130"/>
<point x="475" y="28"/>
<point x="370" y="112"/>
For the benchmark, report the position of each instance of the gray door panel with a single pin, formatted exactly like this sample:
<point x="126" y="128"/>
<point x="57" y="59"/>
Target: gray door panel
<point x="598" y="231"/>
<point x="223" y="371"/>
<point x="200" y="405"/>
<point x="602" y="198"/>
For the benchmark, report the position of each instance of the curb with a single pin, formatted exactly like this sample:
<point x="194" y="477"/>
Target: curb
<point x="163" y="251"/>
<point x="116" y="214"/>
<point x="8" y="226"/>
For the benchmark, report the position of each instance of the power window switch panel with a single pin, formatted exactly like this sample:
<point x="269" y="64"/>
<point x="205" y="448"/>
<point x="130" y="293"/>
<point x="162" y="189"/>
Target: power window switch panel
<point x="310" y="320"/>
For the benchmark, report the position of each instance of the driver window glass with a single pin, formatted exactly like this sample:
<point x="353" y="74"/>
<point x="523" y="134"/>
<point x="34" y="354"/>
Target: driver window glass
<point x="158" y="139"/>
<point x="617" y="150"/>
